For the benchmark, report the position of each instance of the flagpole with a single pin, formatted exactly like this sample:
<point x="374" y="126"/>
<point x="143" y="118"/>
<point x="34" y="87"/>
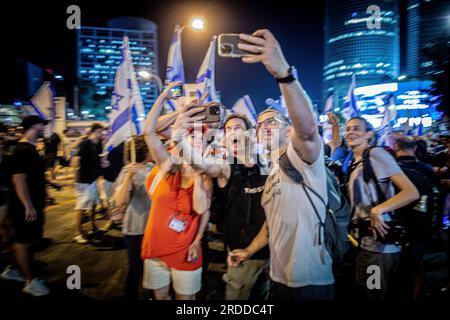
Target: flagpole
<point x="130" y="98"/>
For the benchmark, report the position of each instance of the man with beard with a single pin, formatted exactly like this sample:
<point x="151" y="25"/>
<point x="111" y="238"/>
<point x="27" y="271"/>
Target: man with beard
<point x="26" y="205"/>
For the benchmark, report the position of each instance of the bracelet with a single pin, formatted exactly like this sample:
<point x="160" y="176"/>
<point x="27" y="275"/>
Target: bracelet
<point x="289" y="79"/>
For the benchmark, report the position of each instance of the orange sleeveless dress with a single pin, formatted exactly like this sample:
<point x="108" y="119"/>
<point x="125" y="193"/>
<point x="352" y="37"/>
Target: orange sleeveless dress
<point x="161" y="242"/>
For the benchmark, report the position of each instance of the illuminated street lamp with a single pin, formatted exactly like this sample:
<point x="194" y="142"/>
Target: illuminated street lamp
<point x="198" y="24"/>
<point x="148" y="76"/>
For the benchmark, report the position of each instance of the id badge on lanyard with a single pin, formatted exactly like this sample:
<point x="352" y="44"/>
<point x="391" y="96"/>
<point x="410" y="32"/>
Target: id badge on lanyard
<point x="177" y="223"/>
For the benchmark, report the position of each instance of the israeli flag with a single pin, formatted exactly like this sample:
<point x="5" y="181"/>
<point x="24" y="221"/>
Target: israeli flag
<point x="206" y="89"/>
<point x="389" y="119"/>
<point x="42" y="102"/>
<point x="245" y="107"/>
<point x="127" y="116"/>
<point x="350" y="108"/>
<point x="175" y="69"/>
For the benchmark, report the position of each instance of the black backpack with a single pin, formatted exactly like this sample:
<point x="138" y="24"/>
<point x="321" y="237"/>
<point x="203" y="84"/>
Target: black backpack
<point x="335" y="226"/>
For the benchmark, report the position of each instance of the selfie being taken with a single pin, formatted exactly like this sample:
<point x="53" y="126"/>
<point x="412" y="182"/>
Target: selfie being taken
<point x="245" y="155"/>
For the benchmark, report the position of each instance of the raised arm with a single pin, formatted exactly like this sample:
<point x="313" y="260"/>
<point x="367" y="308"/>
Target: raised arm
<point x="304" y="136"/>
<point x="187" y="119"/>
<point x="336" y="140"/>
<point x="157" y="151"/>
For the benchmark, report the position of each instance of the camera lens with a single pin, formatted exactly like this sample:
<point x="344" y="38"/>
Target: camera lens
<point x="226" y="48"/>
<point x="215" y="110"/>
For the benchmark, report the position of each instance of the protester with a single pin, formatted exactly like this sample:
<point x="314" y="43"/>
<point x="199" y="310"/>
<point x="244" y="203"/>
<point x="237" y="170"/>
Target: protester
<point x="87" y="164"/>
<point x="304" y="274"/>
<point x="418" y="215"/>
<point x="26" y="205"/>
<point x="179" y="213"/>
<point x="131" y="195"/>
<point x="373" y="175"/>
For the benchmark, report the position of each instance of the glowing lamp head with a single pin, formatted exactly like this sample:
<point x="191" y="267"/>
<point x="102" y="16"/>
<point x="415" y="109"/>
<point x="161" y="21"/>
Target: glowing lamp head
<point x="198" y="24"/>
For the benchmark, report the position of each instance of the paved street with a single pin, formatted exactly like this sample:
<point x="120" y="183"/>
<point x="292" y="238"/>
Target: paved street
<point x="104" y="267"/>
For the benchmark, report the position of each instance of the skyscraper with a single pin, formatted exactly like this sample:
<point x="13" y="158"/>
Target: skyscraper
<point x="354" y="44"/>
<point x="99" y="54"/>
<point x="427" y="21"/>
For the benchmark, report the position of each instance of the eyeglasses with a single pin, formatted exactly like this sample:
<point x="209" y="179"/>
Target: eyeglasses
<point x="270" y="123"/>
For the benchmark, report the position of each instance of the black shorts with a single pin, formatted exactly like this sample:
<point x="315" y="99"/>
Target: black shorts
<point x="25" y="232"/>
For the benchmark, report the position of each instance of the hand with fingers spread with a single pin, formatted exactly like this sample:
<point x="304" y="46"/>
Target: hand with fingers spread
<point x="378" y="224"/>
<point x="265" y="48"/>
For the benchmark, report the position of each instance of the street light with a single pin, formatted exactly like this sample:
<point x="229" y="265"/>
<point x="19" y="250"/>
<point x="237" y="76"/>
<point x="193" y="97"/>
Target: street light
<point x="402" y="77"/>
<point x="148" y="76"/>
<point x="198" y="24"/>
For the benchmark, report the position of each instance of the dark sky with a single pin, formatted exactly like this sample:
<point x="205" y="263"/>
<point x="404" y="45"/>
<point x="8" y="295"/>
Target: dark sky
<point x="36" y="31"/>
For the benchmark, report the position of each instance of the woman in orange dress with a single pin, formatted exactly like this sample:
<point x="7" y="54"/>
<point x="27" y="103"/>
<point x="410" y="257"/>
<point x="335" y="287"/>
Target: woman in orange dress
<point x="171" y="248"/>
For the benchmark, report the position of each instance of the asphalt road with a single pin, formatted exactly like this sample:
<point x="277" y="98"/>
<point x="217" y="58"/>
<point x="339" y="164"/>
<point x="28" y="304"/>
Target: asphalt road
<point x="103" y="262"/>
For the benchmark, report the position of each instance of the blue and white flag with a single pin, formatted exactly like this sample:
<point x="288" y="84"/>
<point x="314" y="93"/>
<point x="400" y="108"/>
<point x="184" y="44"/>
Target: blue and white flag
<point x="417" y="131"/>
<point x="127" y="116"/>
<point x="244" y="106"/>
<point x="350" y="108"/>
<point x="174" y="69"/>
<point x="42" y="103"/>
<point x="206" y="89"/>
<point x="389" y="119"/>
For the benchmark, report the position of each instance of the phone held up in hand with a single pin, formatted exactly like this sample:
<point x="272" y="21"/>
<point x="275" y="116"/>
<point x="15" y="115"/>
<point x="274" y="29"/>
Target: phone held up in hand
<point x="213" y="112"/>
<point x="228" y="46"/>
<point x="176" y="91"/>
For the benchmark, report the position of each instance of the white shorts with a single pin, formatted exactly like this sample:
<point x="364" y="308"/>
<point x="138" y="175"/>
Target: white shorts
<point x="87" y="196"/>
<point x="157" y="275"/>
<point x="107" y="190"/>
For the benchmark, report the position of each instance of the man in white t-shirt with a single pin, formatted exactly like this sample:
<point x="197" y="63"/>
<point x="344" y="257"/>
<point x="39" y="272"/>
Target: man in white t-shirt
<point x="300" y="266"/>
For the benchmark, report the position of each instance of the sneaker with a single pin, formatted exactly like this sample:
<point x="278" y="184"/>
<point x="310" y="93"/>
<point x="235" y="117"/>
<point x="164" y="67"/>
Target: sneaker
<point x="80" y="239"/>
<point x="12" y="274"/>
<point x="36" y="288"/>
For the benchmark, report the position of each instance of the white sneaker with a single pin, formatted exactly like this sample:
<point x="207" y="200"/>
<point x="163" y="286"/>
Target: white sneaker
<point x="36" y="288"/>
<point x="12" y="274"/>
<point x="80" y="239"/>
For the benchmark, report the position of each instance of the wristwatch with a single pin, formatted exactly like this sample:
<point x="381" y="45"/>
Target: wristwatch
<point x="289" y="79"/>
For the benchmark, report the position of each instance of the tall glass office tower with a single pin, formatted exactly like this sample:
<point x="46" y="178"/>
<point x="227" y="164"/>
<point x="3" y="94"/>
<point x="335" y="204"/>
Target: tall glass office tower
<point x="355" y="45"/>
<point x="427" y="21"/>
<point x="99" y="54"/>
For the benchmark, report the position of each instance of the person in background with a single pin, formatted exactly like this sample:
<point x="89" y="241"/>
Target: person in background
<point x="372" y="201"/>
<point x="130" y="195"/>
<point x="87" y="164"/>
<point x="26" y="205"/>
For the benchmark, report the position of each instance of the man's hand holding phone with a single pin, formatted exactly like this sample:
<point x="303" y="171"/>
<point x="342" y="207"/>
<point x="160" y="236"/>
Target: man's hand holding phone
<point x="264" y="47"/>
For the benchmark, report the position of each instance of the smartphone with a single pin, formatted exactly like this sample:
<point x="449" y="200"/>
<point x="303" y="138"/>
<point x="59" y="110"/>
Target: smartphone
<point x="213" y="112"/>
<point x="228" y="48"/>
<point x="176" y="91"/>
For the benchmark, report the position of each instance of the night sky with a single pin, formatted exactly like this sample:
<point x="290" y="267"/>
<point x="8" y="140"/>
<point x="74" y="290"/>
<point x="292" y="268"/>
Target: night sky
<point x="37" y="32"/>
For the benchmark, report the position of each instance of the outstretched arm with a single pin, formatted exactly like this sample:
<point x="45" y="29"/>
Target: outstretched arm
<point x="157" y="151"/>
<point x="304" y="136"/>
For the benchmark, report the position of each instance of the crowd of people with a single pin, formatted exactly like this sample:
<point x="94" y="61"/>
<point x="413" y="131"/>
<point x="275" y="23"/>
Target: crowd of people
<point x="269" y="189"/>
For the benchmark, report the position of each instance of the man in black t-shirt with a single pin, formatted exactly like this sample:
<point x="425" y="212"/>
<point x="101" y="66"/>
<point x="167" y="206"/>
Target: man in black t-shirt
<point x="26" y="204"/>
<point x="87" y="164"/>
